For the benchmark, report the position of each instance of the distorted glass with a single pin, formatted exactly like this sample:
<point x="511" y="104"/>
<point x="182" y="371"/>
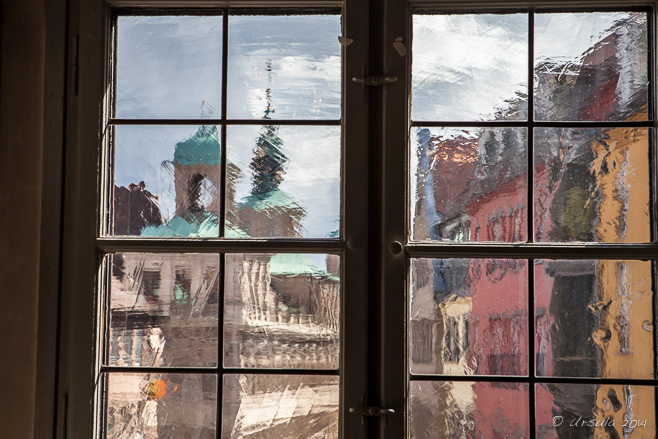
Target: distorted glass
<point x="454" y="409"/>
<point x="469" y="184"/>
<point x="592" y="185"/>
<point x="595" y="411"/>
<point x="594" y="318"/>
<point x="163" y="309"/>
<point x="282" y="311"/>
<point x="160" y="405"/>
<point x="166" y="181"/>
<point x="470" y="67"/>
<point x="469" y="317"/>
<point x="591" y="66"/>
<point x="284" y="67"/>
<point x="280" y="406"/>
<point x="168" y="67"/>
<point x="283" y="182"/>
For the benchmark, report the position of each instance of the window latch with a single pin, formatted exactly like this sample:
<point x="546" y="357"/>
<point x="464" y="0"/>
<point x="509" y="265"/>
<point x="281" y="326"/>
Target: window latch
<point x="372" y="411"/>
<point x="375" y="80"/>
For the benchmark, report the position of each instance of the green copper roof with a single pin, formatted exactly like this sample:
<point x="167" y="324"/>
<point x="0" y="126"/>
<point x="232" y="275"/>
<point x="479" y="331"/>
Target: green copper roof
<point x="275" y="199"/>
<point x="296" y="265"/>
<point x="208" y="227"/>
<point x="202" y="148"/>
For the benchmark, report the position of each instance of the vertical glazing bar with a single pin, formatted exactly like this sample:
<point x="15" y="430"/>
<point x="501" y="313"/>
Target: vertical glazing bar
<point x="224" y="149"/>
<point x="220" y="344"/>
<point x="531" y="118"/>
<point x="531" y="346"/>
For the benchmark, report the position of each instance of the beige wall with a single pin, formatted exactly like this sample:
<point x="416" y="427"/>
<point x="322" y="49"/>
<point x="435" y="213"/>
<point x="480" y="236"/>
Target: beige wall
<point x="22" y="50"/>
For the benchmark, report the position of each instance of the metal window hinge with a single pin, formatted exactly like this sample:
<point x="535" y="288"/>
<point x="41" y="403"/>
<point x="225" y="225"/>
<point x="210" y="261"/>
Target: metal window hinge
<point x="372" y="411"/>
<point x="375" y="80"/>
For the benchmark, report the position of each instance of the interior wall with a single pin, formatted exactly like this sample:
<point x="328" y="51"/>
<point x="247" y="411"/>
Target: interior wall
<point x="22" y="54"/>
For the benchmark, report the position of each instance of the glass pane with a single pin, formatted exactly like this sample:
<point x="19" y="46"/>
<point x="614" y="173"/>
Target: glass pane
<point x="280" y="406"/>
<point x="468" y="410"/>
<point x="282" y="311"/>
<point x="284" y="67"/>
<point x="161" y="406"/>
<point x="283" y="181"/>
<point x="163" y="309"/>
<point x="592" y="185"/>
<point x="470" y="67"/>
<point x="591" y="66"/>
<point x="166" y="181"/>
<point x="594" y="318"/>
<point x="168" y="67"/>
<point x="469" y="317"/>
<point x="469" y="184"/>
<point x="595" y="411"/>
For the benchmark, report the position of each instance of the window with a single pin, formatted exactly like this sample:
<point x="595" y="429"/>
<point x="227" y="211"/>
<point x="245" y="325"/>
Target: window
<point x="448" y="267"/>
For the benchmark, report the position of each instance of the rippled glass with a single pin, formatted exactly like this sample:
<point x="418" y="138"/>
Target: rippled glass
<point x="168" y="67"/>
<point x="282" y="311"/>
<point x="280" y="406"/>
<point x="595" y="411"/>
<point x="160" y="405"/>
<point x="453" y="409"/>
<point x="592" y="185"/>
<point x="469" y="317"/>
<point x="591" y="66"/>
<point x="469" y="184"/>
<point x="283" y="182"/>
<point x="284" y="67"/>
<point x="594" y="318"/>
<point x="166" y="181"/>
<point x="163" y="309"/>
<point x="470" y="67"/>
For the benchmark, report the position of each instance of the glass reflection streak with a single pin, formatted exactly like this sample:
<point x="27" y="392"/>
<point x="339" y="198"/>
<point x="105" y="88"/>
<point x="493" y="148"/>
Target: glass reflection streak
<point x="280" y="406"/>
<point x="470" y="184"/>
<point x="282" y="311"/>
<point x="161" y="406"/>
<point x="469" y="317"/>
<point x="594" y="318"/>
<point x="592" y="185"/>
<point x="163" y="309"/>
<point x="468" y="410"/>
<point x="595" y="411"/>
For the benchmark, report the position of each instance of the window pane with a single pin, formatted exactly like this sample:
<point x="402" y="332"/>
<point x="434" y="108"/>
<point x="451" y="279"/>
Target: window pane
<point x="469" y="316"/>
<point x="469" y="184"/>
<point x="161" y="405"/>
<point x="168" y="67"/>
<point x="282" y="311"/>
<point x="470" y="67"/>
<point x="163" y="309"/>
<point x="595" y="410"/>
<point x="591" y="66"/>
<point x="594" y="318"/>
<point x="468" y="410"/>
<point x="280" y="406"/>
<point x="166" y="181"/>
<point x="592" y="185"/>
<point x="284" y="67"/>
<point x="283" y="181"/>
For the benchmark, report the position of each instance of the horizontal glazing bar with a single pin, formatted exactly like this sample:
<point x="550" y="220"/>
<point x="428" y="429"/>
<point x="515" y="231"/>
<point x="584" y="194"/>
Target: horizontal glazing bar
<point x="220" y="121"/>
<point x="538" y="124"/>
<point x="218" y="370"/>
<point x="219" y="4"/>
<point x="542" y="380"/>
<point x="479" y="250"/>
<point x="425" y="5"/>
<point x="113" y="245"/>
